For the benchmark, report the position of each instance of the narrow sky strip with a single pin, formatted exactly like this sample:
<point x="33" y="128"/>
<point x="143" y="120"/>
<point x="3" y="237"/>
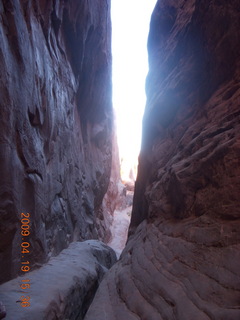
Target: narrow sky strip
<point x="130" y="27"/>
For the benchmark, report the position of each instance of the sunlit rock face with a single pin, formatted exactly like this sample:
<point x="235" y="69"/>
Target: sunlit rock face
<point x="182" y="260"/>
<point x="56" y="124"/>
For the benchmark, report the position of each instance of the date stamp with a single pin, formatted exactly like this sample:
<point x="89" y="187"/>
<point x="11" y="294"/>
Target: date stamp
<point x="25" y="265"/>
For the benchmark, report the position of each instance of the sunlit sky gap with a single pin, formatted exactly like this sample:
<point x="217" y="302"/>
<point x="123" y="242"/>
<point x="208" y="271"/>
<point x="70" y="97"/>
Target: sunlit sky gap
<point x="130" y="27"/>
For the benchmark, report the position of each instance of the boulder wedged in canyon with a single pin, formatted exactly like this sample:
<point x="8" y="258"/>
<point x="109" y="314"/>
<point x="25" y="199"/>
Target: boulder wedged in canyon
<point x="182" y="259"/>
<point x="63" y="288"/>
<point x="56" y="125"/>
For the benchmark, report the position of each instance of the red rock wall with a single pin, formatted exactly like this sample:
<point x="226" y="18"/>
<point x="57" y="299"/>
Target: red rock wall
<point x="192" y="114"/>
<point x="56" y="124"/>
<point x="182" y="259"/>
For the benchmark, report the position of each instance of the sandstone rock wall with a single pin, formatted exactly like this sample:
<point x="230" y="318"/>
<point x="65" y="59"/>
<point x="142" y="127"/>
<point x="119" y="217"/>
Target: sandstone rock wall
<point x="56" y="124"/>
<point x="182" y="259"/>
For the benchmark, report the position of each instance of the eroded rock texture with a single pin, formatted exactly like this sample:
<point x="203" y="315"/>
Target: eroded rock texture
<point x="182" y="260"/>
<point x="56" y="124"/>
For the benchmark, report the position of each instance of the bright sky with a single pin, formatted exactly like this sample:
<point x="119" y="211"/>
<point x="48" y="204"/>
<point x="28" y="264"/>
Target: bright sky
<point x="130" y="27"/>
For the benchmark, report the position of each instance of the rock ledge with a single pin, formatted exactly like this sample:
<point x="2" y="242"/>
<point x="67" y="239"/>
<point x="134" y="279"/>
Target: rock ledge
<point x="64" y="287"/>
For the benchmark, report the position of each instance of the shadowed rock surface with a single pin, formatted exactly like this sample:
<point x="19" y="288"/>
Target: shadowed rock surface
<point x="56" y="124"/>
<point x="182" y="259"/>
<point x="63" y="288"/>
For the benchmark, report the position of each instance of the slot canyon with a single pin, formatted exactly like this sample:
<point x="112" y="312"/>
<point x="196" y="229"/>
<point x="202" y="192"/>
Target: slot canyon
<point x="61" y="194"/>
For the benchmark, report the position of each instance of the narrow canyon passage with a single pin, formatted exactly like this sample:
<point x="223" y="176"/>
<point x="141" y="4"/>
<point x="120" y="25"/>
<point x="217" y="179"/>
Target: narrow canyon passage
<point x="120" y="225"/>
<point x="130" y="67"/>
<point x="119" y="230"/>
<point x="62" y="196"/>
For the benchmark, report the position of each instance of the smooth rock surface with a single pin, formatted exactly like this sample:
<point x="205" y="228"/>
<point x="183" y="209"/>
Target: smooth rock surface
<point x="182" y="260"/>
<point x="63" y="288"/>
<point x="56" y="125"/>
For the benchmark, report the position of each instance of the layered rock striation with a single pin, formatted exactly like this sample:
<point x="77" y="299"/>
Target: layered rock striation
<point x="56" y="124"/>
<point x="182" y="259"/>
